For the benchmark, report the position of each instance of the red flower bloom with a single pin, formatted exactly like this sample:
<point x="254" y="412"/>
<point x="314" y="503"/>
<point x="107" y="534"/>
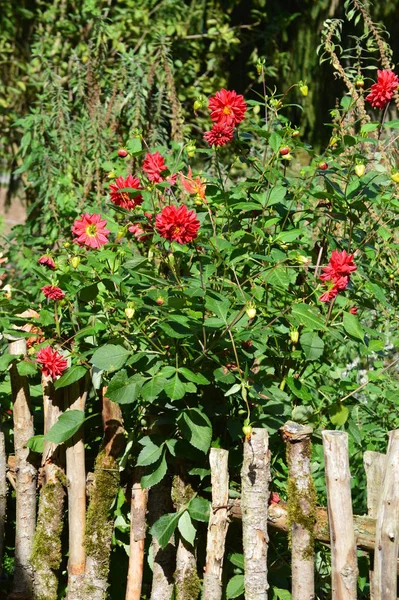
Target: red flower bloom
<point x="227" y="108"/>
<point x="90" y="231"/>
<point x="382" y="92"/>
<point x="177" y="224"/>
<point x="219" y="135"/>
<point x="353" y="310"/>
<point x="125" y="199"/>
<point x="193" y="185"/>
<point x="337" y="271"/>
<point x="47" y="261"/>
<point x="53" y="292"/>
<point x="52" y="363"/>
<point x="329" y="295"/>
<point x="154" y="166"/>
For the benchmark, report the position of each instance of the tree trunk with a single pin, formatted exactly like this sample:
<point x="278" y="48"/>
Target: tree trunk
<point x="340" y="516"/>
<point x="301" y="508"/>
<point x="26" y="474"/>
<point x="255" y="475"/>
<point x="187" y="582"/>
<point x="137" y="537"/>
<point x="99" y="523"/>
<point x="160" y="503"/>
<point x="76" y="478"/>
<point x="387" y="528"/>
<point x="218" y="525"/>
<point x="374" y="465"/>
<point x="3" y="495"/>
<point x="46" y="555"/>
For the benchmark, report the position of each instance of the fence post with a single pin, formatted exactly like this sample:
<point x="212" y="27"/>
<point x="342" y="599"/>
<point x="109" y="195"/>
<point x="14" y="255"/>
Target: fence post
<point x="218" y="525"/>
<point x="137" y="537"/>
<point x="255" y="476"/>
<point x="340" y="516"/>
<point x="301" y="508"/>
<point x="387" y="528"/>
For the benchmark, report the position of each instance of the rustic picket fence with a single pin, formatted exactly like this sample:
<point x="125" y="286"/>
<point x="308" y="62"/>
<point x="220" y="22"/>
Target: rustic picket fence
<point x="376" y="533"/>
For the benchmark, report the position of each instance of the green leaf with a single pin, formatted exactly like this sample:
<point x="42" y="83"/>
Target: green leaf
<point x="67" y="425"/>
<point x="124" y="390"/>
<point x="134" y="146"/>
<point x="164" y="528"/>
<point x="36" y="443"/>
<point x="199" y="509"/>
<point x="151" y="389"/>
<point x="196" y="428"/>
<point x="149" y="454"/>
<point x="70" y="376"/>
<point x="195" y="377"/>
<point x="110" y="357"/>
<point x="277" y="194"/>
<point x="186" y="528"/>
<point x="235" y="587"/>
<point x="279" y="594"/>
<point x="157" y="474"/>
<point x="219" y="307"/>
<point x="237" y="560"/>
<point x="174" y="388"/>
<point x="312" y="345"/>
<point x="338" y="414"/>
<point x="26" y="368"/>
<point x="308" y="316"/>
<point x="5" y="360"/>
<point x="352" y="326"/>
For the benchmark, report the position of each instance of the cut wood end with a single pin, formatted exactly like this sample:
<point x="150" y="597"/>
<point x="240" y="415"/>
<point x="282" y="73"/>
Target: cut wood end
<point x="295" y="432"/>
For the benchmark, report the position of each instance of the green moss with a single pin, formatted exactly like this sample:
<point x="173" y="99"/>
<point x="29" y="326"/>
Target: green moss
<point x="190" y="587"/>
<point x="182" y="492"/>
<point x="294" y="508"/>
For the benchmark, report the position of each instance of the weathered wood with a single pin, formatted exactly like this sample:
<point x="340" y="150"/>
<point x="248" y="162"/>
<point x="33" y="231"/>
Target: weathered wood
<point x="217" y="526"/>
<point x="387" y="527"/>
<point x="25" y="476"/>
<point x="3" y="495"/>
<point x="340" y="516"/>
<point x="374" y="465"/>
<point x="137" y="538"/>
<point x="301" y="508"/>
<point x="255" y="475"/>
<point x="160" y="503"/>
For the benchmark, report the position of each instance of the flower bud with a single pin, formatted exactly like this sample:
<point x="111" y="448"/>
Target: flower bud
<point x="191" y="149"/>
<point x="323" y="166"/>
<point x="111" y="175"/>
<point x="303" y="88"/>
<point x="247" y="431"/>
<point x="8" y="291"/>
<point x="295" y="133"/>
<point x="129" y="312"/>
<point x="360" y="169"/>
<point x="160" y="300"/>
<point x="75" y="261"/>
<point x="303" y="260"/>
<point x="122" y="153"/>
<point x="284" y="151"/>
<point x="251" y="310"/>
<point x="395" y="176"/>
<point x="359" y="83"/>
<point x="67" y="245"/>
<point x="294" y="336"/>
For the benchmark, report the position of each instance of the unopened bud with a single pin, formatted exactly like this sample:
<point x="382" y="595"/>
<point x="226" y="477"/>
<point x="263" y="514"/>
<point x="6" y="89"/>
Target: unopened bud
<point x="8" y="291"/>
<point x="294" y="335"/>
<point x="251" y="310"/>
<point x="75" y="261"/>
<point x="160" y="300"/>
<point x="360" y="169"/>
<point x="129" y="312"/>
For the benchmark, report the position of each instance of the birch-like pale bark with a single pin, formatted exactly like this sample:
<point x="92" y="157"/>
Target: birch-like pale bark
<point x="137" y="537"/>
<point x="76" y="481"/>
<point x="387" y="528"/>
<point x="26" y="475"/>
<point x="187" y="582"/>
<point x="255" y="476"/>
<point x="217" y="526"/>
<point x="374" y="465"/>
<point x="301" y="508"/>
<point x="340" y="516"/>
<point x="99" y="522"/>
<point x="46" y="554"/>
<point x="3" y="495"/>
<point x="160" y="503"/>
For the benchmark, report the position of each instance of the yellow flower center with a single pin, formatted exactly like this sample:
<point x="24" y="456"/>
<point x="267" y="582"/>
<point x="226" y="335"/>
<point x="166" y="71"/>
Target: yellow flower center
<point x="91" y="230"/>
<point x="176" y="230"/>
<point x="227" y="110"/>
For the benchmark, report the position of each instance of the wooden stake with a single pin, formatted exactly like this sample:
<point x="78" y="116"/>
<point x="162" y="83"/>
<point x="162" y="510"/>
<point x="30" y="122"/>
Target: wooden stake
<point x="301" y="508"/>
<point x="25" y="477"/>
<point x="76" y="477"/>
<point x="137" y="538"/>
<point x="3" y="495"/>
<point x="387" y="528"/>
<point x="255" y="475"/>
<point x="218" y="525"/>
<point x="374" y="465"/>
<point x="160" y="503"/>
<point x="340" y="515"/>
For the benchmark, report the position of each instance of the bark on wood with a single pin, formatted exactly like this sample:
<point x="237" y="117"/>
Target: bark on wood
<point x="217" y="526"/>
<point x="301" y="508"/>
<point x="387" y="528"/>
<point x="3" y="495"/>
<point x="99" y="522"/>
<point x="340" y="515"/>
<point x="187" y="583"/>
<point x="46" y="555"/>
<point x="26" y="475"/>
<point x="255" y="475"/>
<point x="374" y="465"/>
<point x="137" y="537"/>
<point x="160" y="503"/>
<point x="76" y="478"/>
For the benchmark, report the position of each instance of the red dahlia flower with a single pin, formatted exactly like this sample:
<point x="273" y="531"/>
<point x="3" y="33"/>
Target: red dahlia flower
<point x="177" y="224"/>
<point x="90" y="231"/>
<point x="193" y="185"/>
<point x="219" y="135"/>
<point x="382" y="92"/>
<point x="53" y="292"/>
<point x="154" y="166"/>
<point x="52" y="363"/>
<point x="337" y="271"/>
<point x="227" y="108"/>
<point x="47" y="261"/>
<point x="125" y="199"/>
